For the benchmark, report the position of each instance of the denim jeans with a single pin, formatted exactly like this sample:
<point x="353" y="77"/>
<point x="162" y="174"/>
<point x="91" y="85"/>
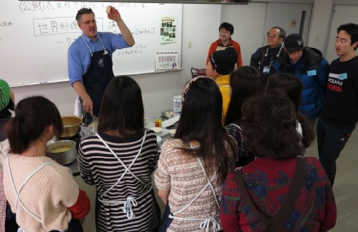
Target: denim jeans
<point x="330" y="141"/>
<point x="166" y="221"/>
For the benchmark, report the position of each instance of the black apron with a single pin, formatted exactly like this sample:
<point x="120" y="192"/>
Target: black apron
<point x="98" y="76"/>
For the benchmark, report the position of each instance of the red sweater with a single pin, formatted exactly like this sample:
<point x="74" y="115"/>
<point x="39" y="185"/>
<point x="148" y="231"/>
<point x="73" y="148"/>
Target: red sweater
<point x="268" y="182"/>
<point x="82" y="206"/>
<point x="214" y="47"/>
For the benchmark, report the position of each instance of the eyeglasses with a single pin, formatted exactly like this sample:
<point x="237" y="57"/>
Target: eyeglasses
<point x="271" y="36"/>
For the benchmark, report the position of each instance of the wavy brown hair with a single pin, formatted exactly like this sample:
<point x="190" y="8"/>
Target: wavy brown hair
<point x="293" y="88"/>
<point x="270" y="126"/>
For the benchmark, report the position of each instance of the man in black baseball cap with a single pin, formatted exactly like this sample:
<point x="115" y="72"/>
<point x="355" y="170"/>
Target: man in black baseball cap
<point x="310" y="67"/>
<point x="221" y="64"/>
<point x="293" y="43"/>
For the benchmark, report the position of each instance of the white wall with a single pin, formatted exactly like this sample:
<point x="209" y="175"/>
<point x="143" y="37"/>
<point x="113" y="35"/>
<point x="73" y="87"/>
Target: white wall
<point x="320" y="25"/>
<point x="201" y="31"/>
<point x="249" y="29"/>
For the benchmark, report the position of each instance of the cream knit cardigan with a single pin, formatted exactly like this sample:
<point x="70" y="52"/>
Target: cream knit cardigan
<point x="47" y="194"/>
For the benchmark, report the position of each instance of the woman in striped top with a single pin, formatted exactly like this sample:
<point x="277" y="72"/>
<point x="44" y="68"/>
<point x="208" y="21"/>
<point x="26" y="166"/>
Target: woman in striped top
<point x="119" y="161"/>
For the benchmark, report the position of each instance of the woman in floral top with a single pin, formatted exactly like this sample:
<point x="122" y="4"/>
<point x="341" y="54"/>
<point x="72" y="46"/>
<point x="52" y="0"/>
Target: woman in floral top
<point x="271" y="135"/>
<point x="193" y="165"/>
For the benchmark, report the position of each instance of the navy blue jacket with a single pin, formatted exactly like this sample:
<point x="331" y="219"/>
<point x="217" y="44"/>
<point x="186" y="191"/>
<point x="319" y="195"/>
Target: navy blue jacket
<point x="312" y="69"/>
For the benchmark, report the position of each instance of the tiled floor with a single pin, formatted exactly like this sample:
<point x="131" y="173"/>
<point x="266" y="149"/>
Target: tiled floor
<point x="346" y="185"/>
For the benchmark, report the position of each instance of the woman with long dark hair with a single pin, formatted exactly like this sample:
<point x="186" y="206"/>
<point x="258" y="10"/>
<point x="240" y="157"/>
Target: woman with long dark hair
<point x="119" y="161"/>
<point x="292" y="86"/>
<point x="41" y="192"/>
<point x="194" y="163"/>
<point x="244" y="83"/>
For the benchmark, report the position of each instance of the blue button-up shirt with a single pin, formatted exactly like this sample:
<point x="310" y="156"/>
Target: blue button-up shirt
<point x="79" y="56"/>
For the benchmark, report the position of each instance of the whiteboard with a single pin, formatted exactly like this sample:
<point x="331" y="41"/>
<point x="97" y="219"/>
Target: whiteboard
<point x="35" y="36"/>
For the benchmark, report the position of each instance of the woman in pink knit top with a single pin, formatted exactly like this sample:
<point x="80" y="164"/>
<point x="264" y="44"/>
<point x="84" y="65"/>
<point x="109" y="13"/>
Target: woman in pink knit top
<point x="42" y="193"/>
<point x="193" y="165"/>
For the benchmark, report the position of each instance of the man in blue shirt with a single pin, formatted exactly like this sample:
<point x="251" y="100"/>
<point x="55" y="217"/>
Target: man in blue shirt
<point x="90" y="58"/>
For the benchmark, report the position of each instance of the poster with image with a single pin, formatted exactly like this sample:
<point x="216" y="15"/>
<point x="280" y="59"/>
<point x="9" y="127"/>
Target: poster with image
<point x="168" y="30"/>
<point x="166" y="61"/>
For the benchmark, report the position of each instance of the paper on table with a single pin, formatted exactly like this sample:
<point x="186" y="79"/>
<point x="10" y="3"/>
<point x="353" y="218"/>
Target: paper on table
<point x="170" y="121"/>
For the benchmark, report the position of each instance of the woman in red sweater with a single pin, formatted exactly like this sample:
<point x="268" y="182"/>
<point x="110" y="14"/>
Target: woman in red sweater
<point x="279" y="190"/>
<point x="226" y="30"/>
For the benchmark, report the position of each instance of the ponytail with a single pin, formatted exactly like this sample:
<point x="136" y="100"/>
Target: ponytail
<point x="13" y="129"/>
<point x="32" y="116"/>
<point x="308" y="134"/>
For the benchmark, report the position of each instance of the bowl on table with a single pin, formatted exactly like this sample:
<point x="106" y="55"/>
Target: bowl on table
<point x="71" y="126"/>
<point x="157" y="130"/>
<point x="63" y="151"/>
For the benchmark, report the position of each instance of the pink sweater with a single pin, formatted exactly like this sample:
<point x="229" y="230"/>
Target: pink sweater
<point x="47" y="194"/>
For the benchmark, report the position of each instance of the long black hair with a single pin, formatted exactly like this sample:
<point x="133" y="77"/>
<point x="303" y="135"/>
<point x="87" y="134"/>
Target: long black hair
<point x="122" y="107"/>
<point x="201" y="120"/>
<point x="244" y="83"/>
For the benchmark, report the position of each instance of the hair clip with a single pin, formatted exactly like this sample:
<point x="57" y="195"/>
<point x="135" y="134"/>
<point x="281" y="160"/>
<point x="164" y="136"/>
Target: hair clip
<point x="186" y="88"/>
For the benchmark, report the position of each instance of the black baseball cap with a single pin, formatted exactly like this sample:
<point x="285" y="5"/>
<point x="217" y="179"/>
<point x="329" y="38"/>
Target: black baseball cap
<point x="293" y="43"/>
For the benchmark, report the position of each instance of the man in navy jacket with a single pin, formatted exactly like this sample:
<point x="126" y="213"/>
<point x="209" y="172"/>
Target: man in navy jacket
<point x="311" y="68"/>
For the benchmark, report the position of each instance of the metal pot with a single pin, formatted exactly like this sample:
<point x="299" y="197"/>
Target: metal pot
<point x="63" y="151"/>
<point x="71" y="126"/>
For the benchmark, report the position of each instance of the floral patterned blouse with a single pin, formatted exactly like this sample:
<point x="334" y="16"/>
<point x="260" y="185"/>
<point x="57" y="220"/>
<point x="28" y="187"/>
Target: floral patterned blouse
<point x="268" y="181"/>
